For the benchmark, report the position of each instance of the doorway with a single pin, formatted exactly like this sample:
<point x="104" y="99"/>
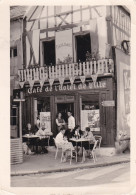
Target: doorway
<point x="63" y="108"/>
<point x="83" y="44"/>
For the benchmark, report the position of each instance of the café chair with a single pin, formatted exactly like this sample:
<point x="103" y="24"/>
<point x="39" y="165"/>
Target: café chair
<point x="63" y="150"/>
<point x="92" y="152"/>
<point x="71" y="154"/>
<point x="58" y="147"/>
<point x="99" y="138"/>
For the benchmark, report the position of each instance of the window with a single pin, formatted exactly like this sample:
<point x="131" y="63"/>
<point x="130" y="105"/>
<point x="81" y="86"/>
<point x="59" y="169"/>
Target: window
<point x="90" y="113"/>
<point x="43" y="105"/>
<point x="13" y="52"/>
<point x="14" y="115"/>
<point x="49" y="52"/>
<point x="83" y="44"/>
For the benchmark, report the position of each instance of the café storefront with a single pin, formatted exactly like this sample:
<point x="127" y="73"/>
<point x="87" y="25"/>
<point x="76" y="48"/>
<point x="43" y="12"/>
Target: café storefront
<point x="86" y="100"/>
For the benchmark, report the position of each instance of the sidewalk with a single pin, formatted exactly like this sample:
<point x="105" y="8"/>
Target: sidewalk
<point x="46" y="163"/>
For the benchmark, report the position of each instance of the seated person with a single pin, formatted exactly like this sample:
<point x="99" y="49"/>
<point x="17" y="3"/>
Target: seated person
<point x="89" y="135"/>
<point x="63" y="142"/>
<point x="77" y="131"/>
<point x="28" y="130"/>
<point x="41" y="140"/>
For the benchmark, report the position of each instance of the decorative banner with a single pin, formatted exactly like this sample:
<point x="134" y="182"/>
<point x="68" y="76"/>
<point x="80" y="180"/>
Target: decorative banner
<point x="51" y="81"/>
<point x="41" y="83"/>
<point x="31" y="82"/>
<point x="21" y="84"/>
<point x="72" y="78"/>
<point x="94" y="77"/>
<point x="90" y="118"/>
<point x="45" y="121"/>
<point x="64" y="47"/>
<point x="123" y="92"/>
<point x="82" y="78"/>
<point x="61" y="80"/>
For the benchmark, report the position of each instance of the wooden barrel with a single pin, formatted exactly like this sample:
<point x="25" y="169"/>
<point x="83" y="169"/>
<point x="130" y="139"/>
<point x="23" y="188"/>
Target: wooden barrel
<point x="16" y="151"/>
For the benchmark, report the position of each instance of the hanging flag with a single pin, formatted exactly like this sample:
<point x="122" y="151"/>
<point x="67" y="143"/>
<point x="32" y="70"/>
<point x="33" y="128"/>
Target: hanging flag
<point x="31" y="83"/>
<point x="21" y="84"/>
<point x="61" y="80"/>
<point x="94" y="77"/>
<point x="94" y="35"/>
<point x="72" y="78"/>
<point x="82" y="78"/>
<point x="51" y="81"/>
<point x="41" y="83"/>
<point x="64" y="47"/>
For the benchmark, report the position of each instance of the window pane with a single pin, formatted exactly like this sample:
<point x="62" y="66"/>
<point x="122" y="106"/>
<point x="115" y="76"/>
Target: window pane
<point x="49" y="52"/>
<point x="43" y="105"/>
<point x="10" y="53"/>
<point x="15" y="52"/>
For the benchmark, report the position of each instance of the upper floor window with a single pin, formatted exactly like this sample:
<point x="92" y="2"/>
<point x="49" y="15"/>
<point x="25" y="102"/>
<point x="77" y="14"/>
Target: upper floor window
<point x="49" y="52"/>
<point x="13" y="52"/>
<point x="83" y="45"/>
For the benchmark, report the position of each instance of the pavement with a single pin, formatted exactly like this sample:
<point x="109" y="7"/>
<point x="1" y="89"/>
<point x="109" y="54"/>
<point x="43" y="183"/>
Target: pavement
<point x="46" y="163"/>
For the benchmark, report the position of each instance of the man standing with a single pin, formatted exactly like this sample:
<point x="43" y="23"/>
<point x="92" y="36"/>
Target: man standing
<point x="71" y="124"/>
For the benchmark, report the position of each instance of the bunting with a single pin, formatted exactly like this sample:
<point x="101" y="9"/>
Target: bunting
<point x="94" y="77"/>
<point x="82" y="78"/>
<point x="31" y="83"/>
<point x="41" y="83"/>
<point x="51" y="82"/>
<point x="72" y="78"/>
<point x="61" y="80"/>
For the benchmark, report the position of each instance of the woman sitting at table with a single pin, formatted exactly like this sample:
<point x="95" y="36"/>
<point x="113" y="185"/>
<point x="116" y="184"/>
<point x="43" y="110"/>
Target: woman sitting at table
<point x="77" y="132"/>
<point x="62" y="141"/>
<point x="88" y="135"/>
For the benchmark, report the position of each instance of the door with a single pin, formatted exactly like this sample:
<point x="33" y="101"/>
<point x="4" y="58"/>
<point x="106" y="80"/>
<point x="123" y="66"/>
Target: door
<point x="107" y="121"/>
<point x="63" y="108"/>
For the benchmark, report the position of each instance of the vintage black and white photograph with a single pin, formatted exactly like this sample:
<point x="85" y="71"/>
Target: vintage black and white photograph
<point x="70" y="96"/>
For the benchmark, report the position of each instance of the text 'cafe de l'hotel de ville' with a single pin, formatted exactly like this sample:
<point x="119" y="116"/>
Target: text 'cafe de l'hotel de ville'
<point x="71" y="58"/>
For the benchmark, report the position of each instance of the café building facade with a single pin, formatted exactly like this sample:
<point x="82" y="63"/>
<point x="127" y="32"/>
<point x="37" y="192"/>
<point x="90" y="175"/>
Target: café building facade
<point x="69" y="55"/>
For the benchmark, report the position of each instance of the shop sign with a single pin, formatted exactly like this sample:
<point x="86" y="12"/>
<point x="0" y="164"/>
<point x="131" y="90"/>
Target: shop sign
<point x="69" y="87"/>
<point x="108" y="103"/>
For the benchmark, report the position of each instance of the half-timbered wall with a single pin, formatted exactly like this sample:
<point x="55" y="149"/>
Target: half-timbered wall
<point x="121" y="25"/>
<point x="81" y="19"/>
<point x="15" y="43"/>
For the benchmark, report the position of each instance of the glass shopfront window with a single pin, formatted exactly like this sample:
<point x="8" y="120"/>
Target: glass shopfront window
<point x="90" y="114"/>
<point x="43" y="110"/>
